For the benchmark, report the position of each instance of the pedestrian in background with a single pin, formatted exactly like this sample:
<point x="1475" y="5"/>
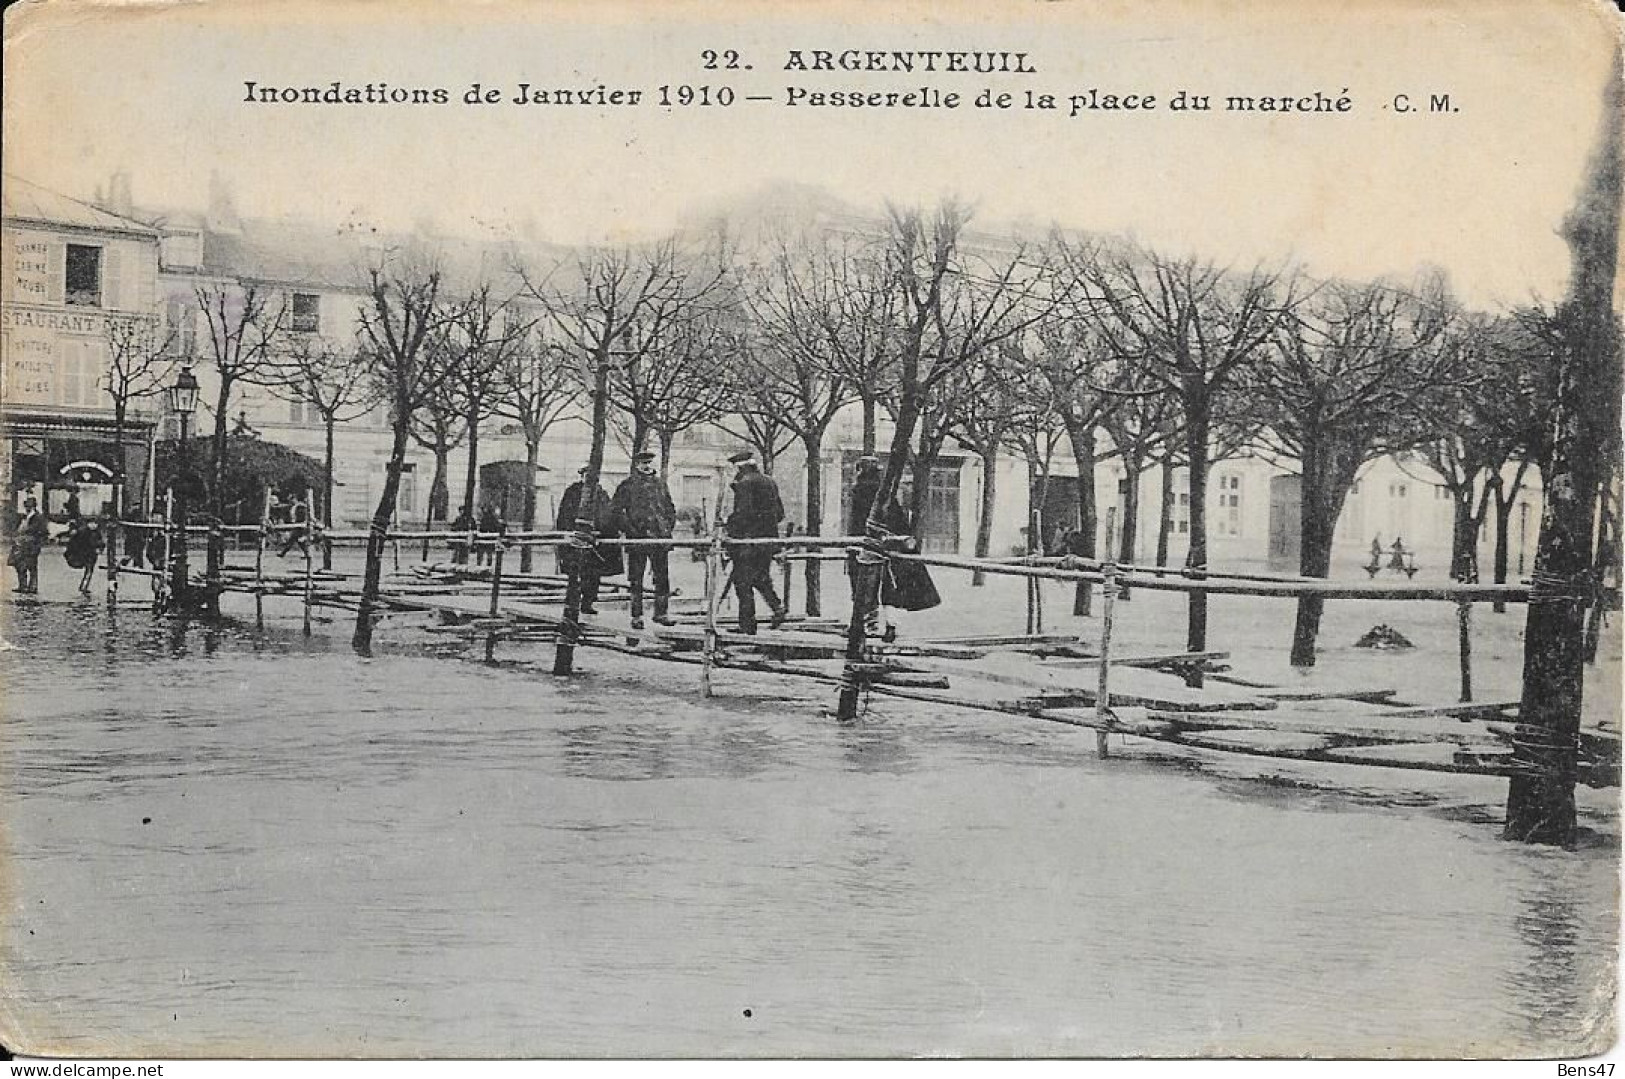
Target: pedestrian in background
<point x="757" y="511"/>
<point x="491" y="524"/>
<point x="32" y="535"/>
<point x="593" y="563"/>
<point x="459" y="547"/>
<point x="83" y="545"/>
<point x="642" y="509"/>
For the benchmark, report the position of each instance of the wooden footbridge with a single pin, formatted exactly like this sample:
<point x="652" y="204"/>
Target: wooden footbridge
<point x="1187" y="699"/>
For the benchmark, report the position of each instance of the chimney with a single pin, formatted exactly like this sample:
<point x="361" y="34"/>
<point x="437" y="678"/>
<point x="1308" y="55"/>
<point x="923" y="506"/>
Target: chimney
<point x="120" y="199"/>
<point x="222" y="205"/>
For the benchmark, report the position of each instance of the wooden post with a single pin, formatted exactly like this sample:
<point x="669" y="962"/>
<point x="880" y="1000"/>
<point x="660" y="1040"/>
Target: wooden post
<point x="1038" y="605"/>
<point x="214" y="565"/>
<point x="259" y="563"/>
<point x="160" y="591"/>
<point x="310" y="534"/>
<point x="1464" y="637"/>
<point x="496" y="597"/>
<point x="785" y="577"/>
<point x="713" y="578"/>
<point x="115" y="533"/>
<point x="1103" y="712"/>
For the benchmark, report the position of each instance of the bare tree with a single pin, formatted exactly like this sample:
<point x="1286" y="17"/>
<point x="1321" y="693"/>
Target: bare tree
<point x="1584" y="425"/>
<point x="936" y="334"/>
<point x="245" y="326"/>
<point x="607" y="309"/>
<point x="669" y="385"/>
<point x="1078" y="364"/>
<point x="1194" y="327"/>
<point x="403" y="309"/>
<point x="805" y="356"/>
<point x="337" y="384"/>
<point x="140" y="363"/>
<point x="437" y="425"/>
<point x="981" y="423"/>
<point x="479" y="341"/>
<point x="536" y="387"/>
<point x="1356" y="371"/>
<point x="1144" y="422"/>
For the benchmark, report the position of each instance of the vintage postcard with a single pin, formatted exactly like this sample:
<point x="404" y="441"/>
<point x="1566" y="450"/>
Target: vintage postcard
<point x="630" y="529"/>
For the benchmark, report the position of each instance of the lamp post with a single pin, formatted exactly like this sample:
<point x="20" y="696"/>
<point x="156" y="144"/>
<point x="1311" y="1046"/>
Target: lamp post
<point x="182" y="402"/>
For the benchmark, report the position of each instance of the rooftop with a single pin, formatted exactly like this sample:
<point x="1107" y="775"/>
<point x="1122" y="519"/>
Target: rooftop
<point x="21" y="200"/>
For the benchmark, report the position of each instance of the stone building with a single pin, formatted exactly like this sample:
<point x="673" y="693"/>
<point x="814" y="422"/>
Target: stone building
<point x="79" y="282"/>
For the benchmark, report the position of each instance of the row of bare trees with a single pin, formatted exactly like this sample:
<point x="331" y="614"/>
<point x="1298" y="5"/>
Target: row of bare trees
<point x="995" y="344"/>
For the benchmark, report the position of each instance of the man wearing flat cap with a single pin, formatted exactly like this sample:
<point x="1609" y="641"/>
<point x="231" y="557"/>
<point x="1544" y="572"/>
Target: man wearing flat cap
<point x="642" y="509"/>
<point x="757" y="511"/>
<point x="590" y="563"/>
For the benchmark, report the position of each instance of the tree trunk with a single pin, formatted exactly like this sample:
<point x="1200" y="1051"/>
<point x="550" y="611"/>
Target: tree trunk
<point x="666" y="439"/>
<point x="1327" y="477"/>
<point x="1133" y="468"/>
<point x="1314" y="560"/>
<point x="1506" y="496"/>
<point x="216" y="550"/>
<point x="813" y="442"/>
<point x="471" y="473"/>
<point x="1197" y="419"/>
<point x="533" y="450"/>
<point x="1082" y="437"/>
<point x="919" y="494"/>
<point x="869" y="407"/>
<point x="440" y="490"/>
<point x="1584" y="423"/>
<point x="1463" y="537"/>
<point x="361" y="639"/>
<point x="327" y="488"/>
<point x="1165" y="509"/>
<point x="984" y="522"/>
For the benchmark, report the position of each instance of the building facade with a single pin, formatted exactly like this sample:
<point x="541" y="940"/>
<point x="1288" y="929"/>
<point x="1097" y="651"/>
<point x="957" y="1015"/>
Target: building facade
<point x="79" y="283"/>
<point x="75" y="272"/>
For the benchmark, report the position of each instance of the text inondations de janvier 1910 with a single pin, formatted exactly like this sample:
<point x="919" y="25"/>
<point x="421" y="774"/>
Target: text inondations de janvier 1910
<point x="860" y="81"/>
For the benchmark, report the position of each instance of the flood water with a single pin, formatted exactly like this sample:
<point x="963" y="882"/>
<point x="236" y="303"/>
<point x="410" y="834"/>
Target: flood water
<point x="223" y="842"/>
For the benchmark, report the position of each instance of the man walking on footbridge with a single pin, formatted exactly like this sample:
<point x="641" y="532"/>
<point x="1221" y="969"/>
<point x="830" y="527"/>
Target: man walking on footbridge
<point x="757" y="511"/>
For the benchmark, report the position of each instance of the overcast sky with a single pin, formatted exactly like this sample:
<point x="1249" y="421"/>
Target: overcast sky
<point x="1479" y="192"/>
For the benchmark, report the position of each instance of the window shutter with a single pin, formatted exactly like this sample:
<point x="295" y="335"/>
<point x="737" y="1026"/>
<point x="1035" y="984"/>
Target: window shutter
<point x="113" y="277"/>
<point x="67" y="379"/>
<point x="140" y="277"/>
<point x="56" y="271"/>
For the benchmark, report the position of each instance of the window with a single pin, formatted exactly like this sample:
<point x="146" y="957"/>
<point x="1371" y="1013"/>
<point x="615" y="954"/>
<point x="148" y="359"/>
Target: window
<point x="83" y="280"/>
<point x="307" y="313"/>
<point x="303" y="413"/>
<point x="1228" y="521"/>
<point x="80" y="374"/>
<point x="1397" y="490"/>
<point x="181" y="249"/>
<point x="180" y="324"/>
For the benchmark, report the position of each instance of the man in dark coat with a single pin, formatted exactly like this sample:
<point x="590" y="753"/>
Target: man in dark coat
<point x="592" y="563"/>
<point x="757" y="511"/>
<point x="464" y="522"/>
<point x="642" y="509"/>
<point x="32" y="535"/>
<point x="490" y="524"/>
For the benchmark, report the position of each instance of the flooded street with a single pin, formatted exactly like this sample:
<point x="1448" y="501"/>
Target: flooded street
<point x="226" y="842"/>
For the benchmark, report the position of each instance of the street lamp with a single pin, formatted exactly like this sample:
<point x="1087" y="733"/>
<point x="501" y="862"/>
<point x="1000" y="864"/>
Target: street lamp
<point x="182" y="402"/>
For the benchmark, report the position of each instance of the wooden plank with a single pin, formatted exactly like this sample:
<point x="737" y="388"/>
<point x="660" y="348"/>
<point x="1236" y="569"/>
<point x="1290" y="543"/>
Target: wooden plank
<point x="1138" y="661"/>
<point x="994" y="640"/>
<point x="1458" y="711"/>
<point x="1362" y="696"/>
